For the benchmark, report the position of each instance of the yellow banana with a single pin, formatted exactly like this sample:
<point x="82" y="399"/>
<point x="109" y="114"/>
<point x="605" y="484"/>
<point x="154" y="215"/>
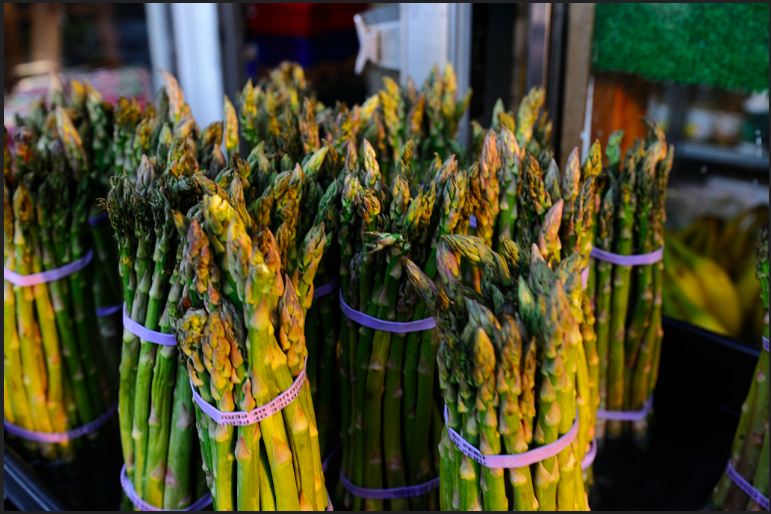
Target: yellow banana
<point x="684" y="279"/>
<point x="722" y="299"/>
<point x="693" y="314"/>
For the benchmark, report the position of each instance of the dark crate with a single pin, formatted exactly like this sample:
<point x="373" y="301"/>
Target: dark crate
<point x="703" y="381"/>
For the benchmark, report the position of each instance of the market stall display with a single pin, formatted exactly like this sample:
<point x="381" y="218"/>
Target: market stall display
<point x="381" y="305"/>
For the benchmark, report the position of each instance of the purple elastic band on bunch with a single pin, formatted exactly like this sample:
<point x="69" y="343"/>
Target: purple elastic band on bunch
<point x="106" y="312"/>
<point x="148" y="335"/>
<point x="588" y="459"/>
<point x="512" y="461"/>
<point x="48" y="276"/>
<point x="765" y="343"/>
<point x="628" y="260"/>
<point x="143" y="506"/>
<point x="621" y="415"/>
<point x="745" y="486"/>
<point x="329" y="287"/>
<point x="328" y="460"/>
<point x="385" y="326"/>
<point x="61" y="437"/>
<point x="243" y="419"/>
<point x="98" y="220"/>
<point x="472" y="222"/>
<point x="389" y="494"/>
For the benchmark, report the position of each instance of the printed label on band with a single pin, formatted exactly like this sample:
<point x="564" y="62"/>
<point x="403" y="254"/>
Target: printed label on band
<point x="243" y="419"/>
<point x="765" y="343"/>
<point x="48" y="276"/>
<point x="588" y="459"/>
<point x="329" y="458"/>
<point x="61" y="437"/>
<point x="106" y="312"/>
<point x="389" y="494"/>
<point x="329" y="287"/>
<point x="512" y="461"/>
<point x="385" y="326"/>
<point x="621" y="415"/>
<point x="98" y="220"/>
<point x="147" y="335"/>
<point x="745" y="486"/>
<point x="628" y="260"/>
<point x="143" y="506"/>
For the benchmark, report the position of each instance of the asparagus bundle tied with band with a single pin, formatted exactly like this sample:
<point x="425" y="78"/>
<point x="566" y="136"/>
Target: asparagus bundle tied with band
<point x="57" y="378"/>
<point x="511" y="375"/>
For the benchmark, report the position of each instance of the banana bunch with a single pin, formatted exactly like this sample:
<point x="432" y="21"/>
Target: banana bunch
<point x="710" y="275"/>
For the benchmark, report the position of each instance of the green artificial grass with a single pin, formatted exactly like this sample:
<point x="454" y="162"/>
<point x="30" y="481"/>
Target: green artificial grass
<point x="719" y="45"/>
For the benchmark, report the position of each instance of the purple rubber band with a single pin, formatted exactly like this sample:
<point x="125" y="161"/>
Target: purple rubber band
<point x="512" y="461"/>
<point x="389" y="494"/>
<point x="472" y="221"/>
<point x="106" y="312"/>
<point x="143" y="506"/>
<point x="98" y="220"/>
<point x="765" y="343"/>
<point x="145" y="334"/>
<point x="588" y="459"/>
<point x="628" y="260"/>
<point x="585" y="276"/>
<point x="745" y="486"/>
<point x="62" y="437"/>
<point x="621" y="415"/>
<point x="385" y="326"/>
<point x="329" y="287"/>
<point x="47" y="276"/>
<point x="242" y="419"/>
<point x="331" y="456"/>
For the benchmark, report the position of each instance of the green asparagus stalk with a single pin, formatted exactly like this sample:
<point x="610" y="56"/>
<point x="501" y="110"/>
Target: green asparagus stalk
<point x="625" y="215"/>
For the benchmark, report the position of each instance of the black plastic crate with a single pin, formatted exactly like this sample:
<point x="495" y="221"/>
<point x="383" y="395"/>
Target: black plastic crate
<point x="703" y="381"/>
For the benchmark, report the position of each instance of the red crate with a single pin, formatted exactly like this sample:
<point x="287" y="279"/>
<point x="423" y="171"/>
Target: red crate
<point x="300" y="20"/>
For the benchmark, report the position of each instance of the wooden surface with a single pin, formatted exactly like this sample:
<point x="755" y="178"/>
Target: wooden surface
<point x="577" y="69"/>
<point x="620" y="103"/>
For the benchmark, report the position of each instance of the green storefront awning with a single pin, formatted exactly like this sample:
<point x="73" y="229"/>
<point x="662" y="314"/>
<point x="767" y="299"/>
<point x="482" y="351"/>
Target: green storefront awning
<point x="721" y="45"/>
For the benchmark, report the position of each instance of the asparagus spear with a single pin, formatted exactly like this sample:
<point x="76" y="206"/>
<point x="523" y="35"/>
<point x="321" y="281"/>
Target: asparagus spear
<point x="641" y="314"/>
<point x="625" y="215"/>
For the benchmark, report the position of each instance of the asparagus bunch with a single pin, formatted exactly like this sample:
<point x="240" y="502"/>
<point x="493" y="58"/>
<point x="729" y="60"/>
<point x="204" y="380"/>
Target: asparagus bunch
<point x="55" y="364"/>
<point x="627" y="300"/>
<point x="749" y="454"/>
<point x="92" y="118"/>
<point x="390" y="417"/>
<point x="511" y="373"/>
<point x="245" y="346"/>
<point x="155" y="400"/>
